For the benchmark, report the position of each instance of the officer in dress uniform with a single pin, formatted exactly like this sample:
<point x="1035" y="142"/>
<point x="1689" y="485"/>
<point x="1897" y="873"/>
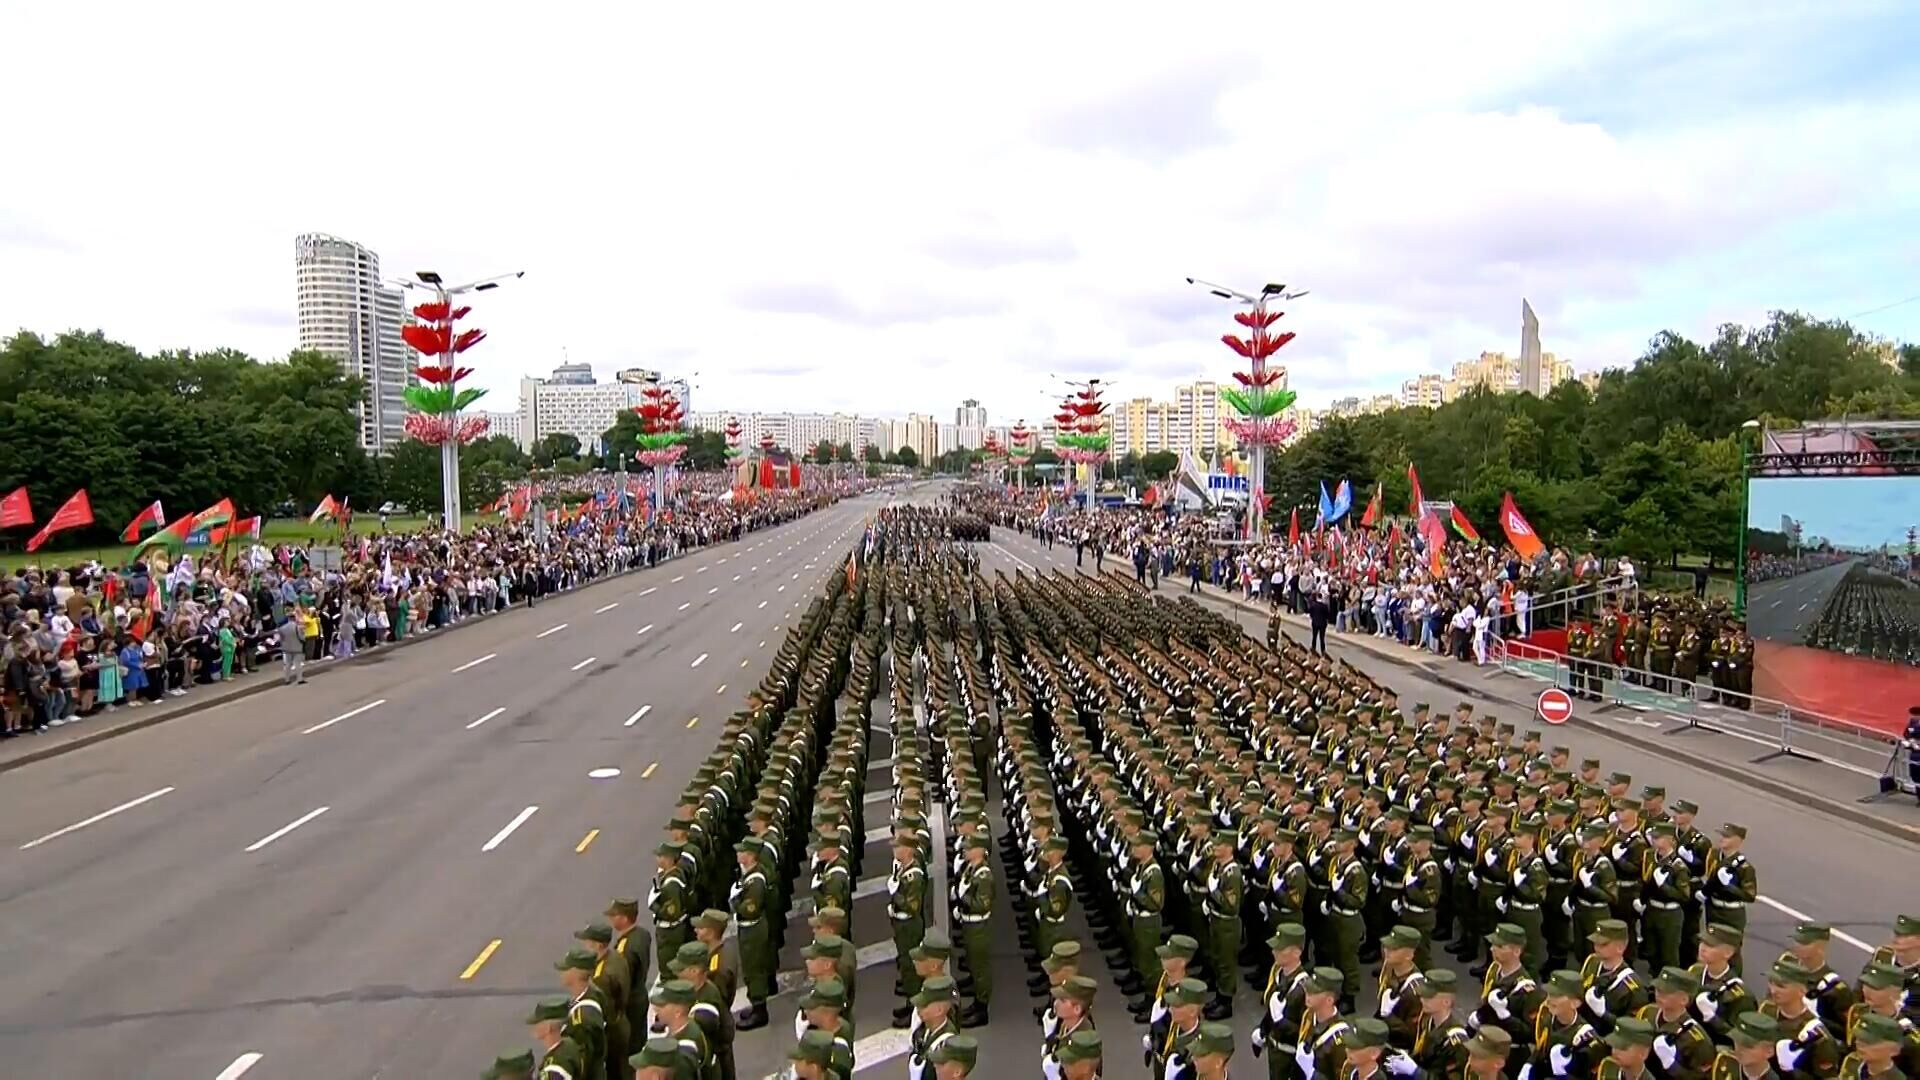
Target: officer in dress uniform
<point x="1665" y="885"/>
<point x="1420" y="892"/>
<point x="750" y="897"/>
<point x="906" y="908"/>
<point x="1398" y="1002"/>
<point x="973" y="910"/>
<point x="1728" y="882"/>
<point x="1184" y="1000"/>
<point x="1225" y="887"/>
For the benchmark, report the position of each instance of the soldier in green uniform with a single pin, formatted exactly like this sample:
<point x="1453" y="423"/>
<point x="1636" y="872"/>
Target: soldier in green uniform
<point x="749" y="897"/>
<point x="1080" y="1056"/>
<point x="1439" y="1038"/>
<point x="1661" y="654"/>
<point x="1146" y="899"/>
<point x="1629" y="1046"/>
<point x="1686" y="660"/>
<point x="673" y="1002"/>
<point x="1876" y="1054"/>
<point x="832" y="874"/>
<point x="1346" y="907"/>
<point x="1664" y="885"/>
<point x="1398" y="1002"/>
<point x="812" y="1056"/>
<point x="823" y="1008"/>
<point x="1751" y="1055"/>
<point x="669" y="902"/>
<point x="933" y="1008"/>
<point x="1723" y="996"/>
<point x="1729" y="882"/>
<point x="1807" y="1049"/>
<point x="1579" y="641"/>
<point x="1490" y="875"/>
<point x="1487" y="1053"/>
<point x="1564" y="1043"/>
<point x="1419" y="899"/>
<point x="1610" y="987"/>
<point x="1052" y="898"/>
<point x="1595" y="890"/>
<point x="1695" y="849"/>
<point x="1882" y="994"/>
<point x="1283" y="1000"/>
<point x="1322" y="1048"/>
<point x="1833" y="996"/>
<point x="587" y="1012"/>
<point x="1903" y="954"/>
<point x="1559" y="846"/>
<point x="1071" y="1011"/>
<point x="1225" y="888"/>
<point x="973" y="908"/>
<point x="517" y="1065"/>
<point x="632" y="942"/>
<point x="711" y="1009"/>
<point x="1740" y="668"/>
<point x="614" y="980"/>
<point x="906" y="908"/>
<point x="1184" y="1000"/>
<point x="1526" y="892"/>
<point x="1682" y="1047"/>
<point x="560" y="1057"/>
<point x="1509" y="996"/>
<point x="710" y="929"/>
<point x="955" y="1058"/>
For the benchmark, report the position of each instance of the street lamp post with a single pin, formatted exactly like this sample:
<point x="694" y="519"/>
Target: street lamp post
<point x="450" y="449"/>
<point x="1740" y="545"/>
<point x="1256" y="446"/>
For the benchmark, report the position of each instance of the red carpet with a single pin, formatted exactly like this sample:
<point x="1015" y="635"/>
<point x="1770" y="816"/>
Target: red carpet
<point x="1871" y="693"/>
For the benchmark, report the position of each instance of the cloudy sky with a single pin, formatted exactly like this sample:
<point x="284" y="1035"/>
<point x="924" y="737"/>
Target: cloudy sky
<point x="890" y="207"/>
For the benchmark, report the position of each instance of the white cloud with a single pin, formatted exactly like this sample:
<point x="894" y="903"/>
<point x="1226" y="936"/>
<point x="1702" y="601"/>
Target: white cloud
<point x="885" y="207"/>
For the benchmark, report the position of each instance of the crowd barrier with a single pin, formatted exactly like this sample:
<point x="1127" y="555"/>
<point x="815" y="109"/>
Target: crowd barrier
<point x="1786" y="730"/>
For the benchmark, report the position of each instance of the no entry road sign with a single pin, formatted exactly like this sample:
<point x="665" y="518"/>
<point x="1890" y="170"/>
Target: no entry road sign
<point x="1554" y="706"/>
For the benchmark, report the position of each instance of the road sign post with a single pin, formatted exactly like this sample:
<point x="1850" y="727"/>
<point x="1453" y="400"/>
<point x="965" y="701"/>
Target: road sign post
<point x="1555" y="705"/>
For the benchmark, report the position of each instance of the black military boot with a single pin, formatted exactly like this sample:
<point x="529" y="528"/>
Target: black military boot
<point x="974" y="1015"/>
<point x="1220" y="1008"/>
<point x="753" y="1016"/>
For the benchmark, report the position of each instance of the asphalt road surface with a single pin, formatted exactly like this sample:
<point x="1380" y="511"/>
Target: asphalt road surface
<point x="371" y="875"/>
<point x="1785" y="609"/>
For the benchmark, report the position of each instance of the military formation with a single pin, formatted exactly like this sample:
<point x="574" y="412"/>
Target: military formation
<point x="1672" y="645"/>
<point x="1115" y="775"/>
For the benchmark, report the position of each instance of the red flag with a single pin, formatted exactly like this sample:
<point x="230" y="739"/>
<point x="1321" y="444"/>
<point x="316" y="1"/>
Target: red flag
<point x="218" y="514"/>
<point x="15" y="510"/>
<point x="1435" y="535"/>
<point x="244" y="529"/>
<point x="152" y="515"/>
<point x="172" y="537"/>
<point x="1393" y="542"/>
<point x="1372" y="515"/>
<point x="1413" y="478"/>
<point x="793" y="476"/>
<point x="1519" y="533"/>
<point x="1293" y="528"/>
<point x="766" y="473"/>
<point x="327" y="508"/>
<point x="76" y="512"/>
<point x="1464" y="527"/>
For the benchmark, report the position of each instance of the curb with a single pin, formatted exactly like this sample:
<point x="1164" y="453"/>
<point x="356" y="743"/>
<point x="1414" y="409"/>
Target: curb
<point x="146" y="721"/>
<point x="1666" y="749"/>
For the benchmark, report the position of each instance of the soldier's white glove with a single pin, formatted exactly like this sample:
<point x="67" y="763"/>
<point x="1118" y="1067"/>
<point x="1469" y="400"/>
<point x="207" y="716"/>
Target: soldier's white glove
<point x="1303" y="1057"/>
<point x="1668" y="1053"/>
<point x="1497" y="1001"/>
<point x="1323" y="907"/>
<point x="1639" y="907"/>
<point x="1259" y="1038"/>
<point x="1596" y="1001"/>
<point x="1526" y="1072"/>
<point x="1660" y="877"/>
<point x="1724" y="876"/>
<point x="1787" y="1054"/>
<point x="1561" y="1058"/>
<point x="1566" y="907"/>
<point x="1699" y="897"/>
<point x="1395" y="905"/>
<point x="1500" y="904"/>
<point x="1586" y="878"/>
<point x="1397" y="1063"/>
<point x="1708" y="1007"/>
<point x="1473" y="879"/>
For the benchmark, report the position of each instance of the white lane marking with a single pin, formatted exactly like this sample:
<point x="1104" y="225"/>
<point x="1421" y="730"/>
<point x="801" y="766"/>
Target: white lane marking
<point x="782" y="588"/>
<point x="736" y="628"/>
<point x="96" y="819"/>
<point x="242" y="1063"/>
<point x="763" y="603"/>
<point x="649" y="590"/>
<point x="736" y="577"/>
<point x="603" y="774"/>
<point x="702" y="570"/>
<point x="795" y="577"/>
<point x="1802" y="916"/>
<point x="501" y="836"/>
<point x="643" y="630"/>
<point x="550" y="630"/>
<point x="686" y="605"/>
<point x="762" y="645"/>
<point x="602" y="610"/>
<point x="1803" y="607"/>
<point x="698" y="660"/>
<point x="374" y="704"/>
<point x="287" y="828"/>
<point x="637" y="714"/>
<point x="678" y="580"/>
<point x="713" y="590"/>
<point x="487" y="717"/>
<point x="583" y="663"/>
<point x="474" y="663"/>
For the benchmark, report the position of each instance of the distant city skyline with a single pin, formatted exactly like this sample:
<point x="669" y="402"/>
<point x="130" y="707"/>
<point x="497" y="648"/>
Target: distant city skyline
<point x="1859" y="513"/>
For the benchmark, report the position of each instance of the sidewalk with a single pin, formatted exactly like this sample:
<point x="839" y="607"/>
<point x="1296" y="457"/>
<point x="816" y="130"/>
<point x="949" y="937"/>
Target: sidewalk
<point x="1843" y="787"/>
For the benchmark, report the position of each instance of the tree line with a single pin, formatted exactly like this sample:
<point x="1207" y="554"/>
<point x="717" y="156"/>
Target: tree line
<point x="1648" y="464"/>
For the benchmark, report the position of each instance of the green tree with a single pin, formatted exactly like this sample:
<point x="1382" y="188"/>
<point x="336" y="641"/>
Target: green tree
<point x="822" y="452"/>
<point x="1159" y="464"/>
<point x="906" y="456"/>
<point x="556" y="446"/>
<point x="871" y="454"/>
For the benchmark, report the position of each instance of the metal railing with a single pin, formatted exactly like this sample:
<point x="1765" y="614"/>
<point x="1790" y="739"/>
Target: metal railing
<point x="1786" y="730"/>
<point x="1557" y="608"/>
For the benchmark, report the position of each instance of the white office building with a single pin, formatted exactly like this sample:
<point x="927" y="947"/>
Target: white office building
<point x="345" y="312"/>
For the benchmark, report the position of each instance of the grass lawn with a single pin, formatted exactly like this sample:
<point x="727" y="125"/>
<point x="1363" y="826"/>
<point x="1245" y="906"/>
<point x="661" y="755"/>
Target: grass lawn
<point x="277" y="531"/>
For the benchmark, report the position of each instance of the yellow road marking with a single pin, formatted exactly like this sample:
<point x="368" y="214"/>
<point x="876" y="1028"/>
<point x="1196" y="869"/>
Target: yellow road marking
<point x="692" y="722"/>
<point x="586" y="841"/>
<point x="648" y="771"/>
<point x="481" y="960"/>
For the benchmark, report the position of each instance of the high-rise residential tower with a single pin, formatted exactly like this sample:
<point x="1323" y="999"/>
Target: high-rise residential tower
<point x="347" y="313"/>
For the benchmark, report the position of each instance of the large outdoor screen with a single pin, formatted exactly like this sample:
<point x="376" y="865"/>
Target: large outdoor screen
<point x="1833" y="594"/>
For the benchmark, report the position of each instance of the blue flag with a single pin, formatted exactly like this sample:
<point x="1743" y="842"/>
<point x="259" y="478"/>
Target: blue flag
<point x="1342" y="501"/>
<point x="1326" y="504"/>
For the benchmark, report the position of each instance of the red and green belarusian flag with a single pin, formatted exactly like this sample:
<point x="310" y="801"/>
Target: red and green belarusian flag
<point x="151" y="517"/>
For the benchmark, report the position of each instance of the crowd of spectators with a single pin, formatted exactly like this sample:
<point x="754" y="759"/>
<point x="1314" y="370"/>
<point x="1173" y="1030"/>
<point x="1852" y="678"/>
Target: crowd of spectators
<point x="1349" y="581"/>
<point x="83" y="639"/>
